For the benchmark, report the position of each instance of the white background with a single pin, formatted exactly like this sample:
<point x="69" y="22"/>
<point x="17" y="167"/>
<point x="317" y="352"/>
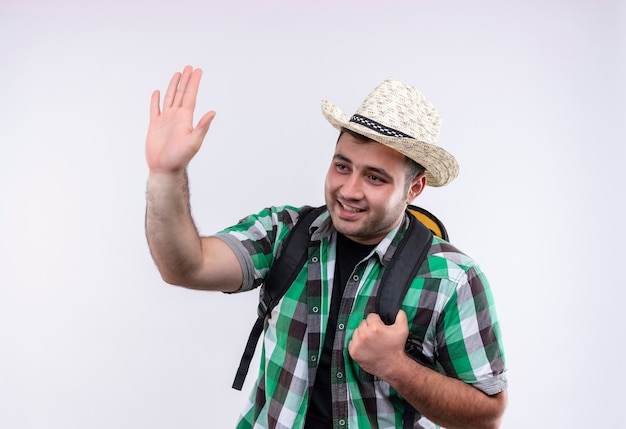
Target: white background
<point x="533" y="98"/>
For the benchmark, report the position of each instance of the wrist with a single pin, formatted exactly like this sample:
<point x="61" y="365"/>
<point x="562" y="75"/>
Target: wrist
<point x="400" y="369"/>
<point x="168" y="187"/>
<point x="161" y="178"/>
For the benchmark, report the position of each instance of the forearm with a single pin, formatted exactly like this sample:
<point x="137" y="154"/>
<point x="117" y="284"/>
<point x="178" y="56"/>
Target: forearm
<point x="446" y="401"/>
<point x="172" y="235"/>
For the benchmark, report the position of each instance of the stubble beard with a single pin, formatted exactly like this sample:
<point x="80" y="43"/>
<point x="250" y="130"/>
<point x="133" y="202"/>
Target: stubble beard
<point x="373" y="224"/>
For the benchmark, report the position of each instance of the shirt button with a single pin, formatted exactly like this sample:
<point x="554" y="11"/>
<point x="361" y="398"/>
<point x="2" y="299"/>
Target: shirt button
<point x="355" y="278"/>
<point x="313" y="358"/>
<point x="315" y="309"/>
<point x="342" y="422"/>
<point x="314" y="259"/>
<point x="341" y="326"/>
<point x="340" y="375"/>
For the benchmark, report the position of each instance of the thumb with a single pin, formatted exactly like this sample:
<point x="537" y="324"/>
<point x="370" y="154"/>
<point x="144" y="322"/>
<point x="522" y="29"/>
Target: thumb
<point x="401" y="319"/>
<point x="203" y="124"/>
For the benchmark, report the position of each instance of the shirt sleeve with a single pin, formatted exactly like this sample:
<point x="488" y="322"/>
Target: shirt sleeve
<point x="469" y="344"/>
<point x="256" y="241"/>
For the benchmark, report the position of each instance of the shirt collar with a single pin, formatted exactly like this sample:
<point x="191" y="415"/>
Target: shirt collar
<point x="322" y="228"/>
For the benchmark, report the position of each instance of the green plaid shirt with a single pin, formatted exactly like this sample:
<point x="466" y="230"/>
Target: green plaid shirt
<point x="449" y="304"/>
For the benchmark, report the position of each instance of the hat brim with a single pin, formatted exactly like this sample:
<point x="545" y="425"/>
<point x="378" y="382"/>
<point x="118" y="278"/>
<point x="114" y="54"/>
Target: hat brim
<point x="441" y="167"/>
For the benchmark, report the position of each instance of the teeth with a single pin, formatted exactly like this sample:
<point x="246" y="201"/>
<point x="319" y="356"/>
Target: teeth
<point x="350" y="209"/>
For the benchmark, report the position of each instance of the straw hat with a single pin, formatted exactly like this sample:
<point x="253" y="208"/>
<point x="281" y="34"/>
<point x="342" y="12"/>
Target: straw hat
<point x="397" y="115"/>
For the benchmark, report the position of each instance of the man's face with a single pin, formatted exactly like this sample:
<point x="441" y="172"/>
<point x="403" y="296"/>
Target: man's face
<point x="365" y="189"/>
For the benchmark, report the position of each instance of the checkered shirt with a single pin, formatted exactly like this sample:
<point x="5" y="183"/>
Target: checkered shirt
<point x="449" y="305"/>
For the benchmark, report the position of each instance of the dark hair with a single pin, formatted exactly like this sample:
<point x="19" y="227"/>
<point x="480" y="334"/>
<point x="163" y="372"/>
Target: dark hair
<point x="413" y="169"/>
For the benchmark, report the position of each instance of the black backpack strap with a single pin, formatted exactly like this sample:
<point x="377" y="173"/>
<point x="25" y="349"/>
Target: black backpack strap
<point x="397" y="278"/>
<point x="402" y="268"/>
<point x="248" y="353"/>
<point x="282" y="274"/>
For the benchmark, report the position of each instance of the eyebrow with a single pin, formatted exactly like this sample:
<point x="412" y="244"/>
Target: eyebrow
<point x="379" y="171"/>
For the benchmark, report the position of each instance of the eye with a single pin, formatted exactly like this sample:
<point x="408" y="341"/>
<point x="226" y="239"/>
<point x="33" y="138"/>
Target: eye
<point x="375" y="179"/>
<point x="341" y="167"/>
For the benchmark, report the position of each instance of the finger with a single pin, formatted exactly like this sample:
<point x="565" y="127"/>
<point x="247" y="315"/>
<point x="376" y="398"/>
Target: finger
<point x="351" y="346"/>
<point x="155" y="109"/>
<point x="363" y="324"/>
<point x="191" y="90"/>
<point x="182" y="86"/>
<point x="373" y="319"/>
<point x="168" y="101"/>
<point x="357" y="334"/>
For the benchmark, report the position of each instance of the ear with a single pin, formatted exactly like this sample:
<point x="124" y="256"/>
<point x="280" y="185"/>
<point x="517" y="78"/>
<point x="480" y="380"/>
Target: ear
<point x="416" y="188"/>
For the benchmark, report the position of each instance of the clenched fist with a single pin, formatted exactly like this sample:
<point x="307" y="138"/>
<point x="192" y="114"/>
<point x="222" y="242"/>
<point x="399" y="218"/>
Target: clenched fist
<point x="376" y="346"/>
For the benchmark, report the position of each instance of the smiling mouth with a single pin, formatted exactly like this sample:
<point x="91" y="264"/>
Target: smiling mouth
<point x="350" y="209"/>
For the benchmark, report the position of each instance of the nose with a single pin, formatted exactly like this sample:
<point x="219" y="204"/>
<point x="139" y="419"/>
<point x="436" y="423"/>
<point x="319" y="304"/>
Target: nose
<point x="352" y="188"/>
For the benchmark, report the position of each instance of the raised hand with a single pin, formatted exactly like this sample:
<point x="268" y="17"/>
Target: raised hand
<point x="172" y="139"/>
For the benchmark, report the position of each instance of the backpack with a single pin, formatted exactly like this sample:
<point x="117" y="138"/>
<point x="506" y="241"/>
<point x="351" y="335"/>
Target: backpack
<point x="397" y="278"/>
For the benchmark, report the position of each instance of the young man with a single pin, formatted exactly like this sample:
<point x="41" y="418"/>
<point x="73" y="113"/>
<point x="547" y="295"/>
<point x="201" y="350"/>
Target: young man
<point x="328" y="359"/>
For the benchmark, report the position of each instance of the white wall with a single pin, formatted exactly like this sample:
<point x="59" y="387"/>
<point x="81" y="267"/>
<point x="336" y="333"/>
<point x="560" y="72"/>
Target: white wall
<point x="534" y="104"/>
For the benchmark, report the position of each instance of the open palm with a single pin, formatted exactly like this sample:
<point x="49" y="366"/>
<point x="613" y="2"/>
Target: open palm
<point x="172" y="140"/>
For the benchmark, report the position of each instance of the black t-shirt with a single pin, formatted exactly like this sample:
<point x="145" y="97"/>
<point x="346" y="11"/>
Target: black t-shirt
<point x="349" y="253"/>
